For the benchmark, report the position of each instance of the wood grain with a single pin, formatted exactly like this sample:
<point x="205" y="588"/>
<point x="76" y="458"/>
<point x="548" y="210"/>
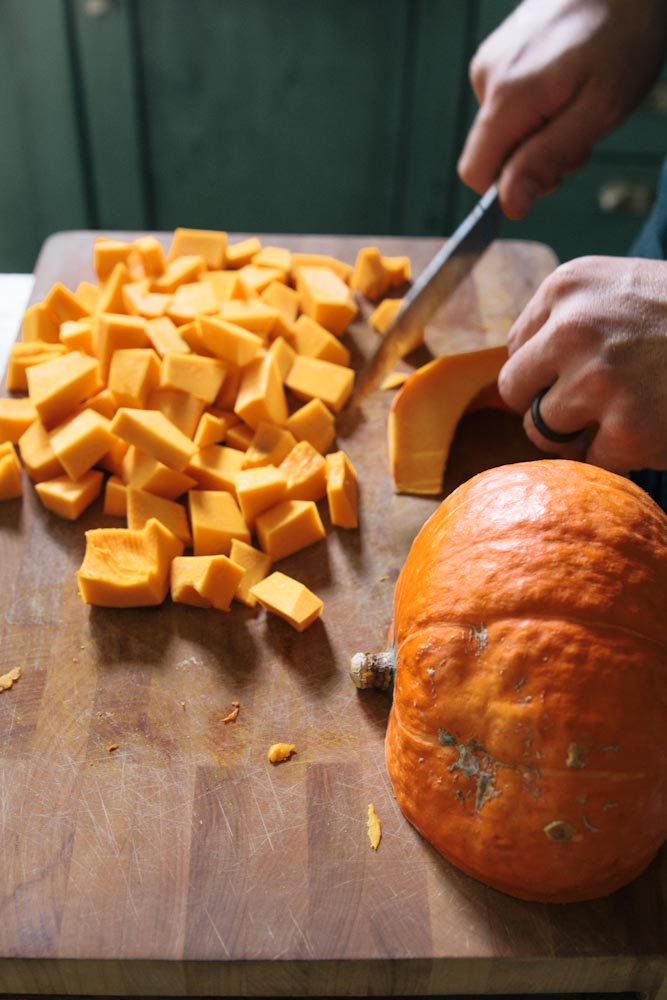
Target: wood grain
<point x="183" y="863"/>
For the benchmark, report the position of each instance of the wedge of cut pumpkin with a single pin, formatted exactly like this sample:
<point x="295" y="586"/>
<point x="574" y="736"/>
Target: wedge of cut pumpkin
<point x="427" y="408"/>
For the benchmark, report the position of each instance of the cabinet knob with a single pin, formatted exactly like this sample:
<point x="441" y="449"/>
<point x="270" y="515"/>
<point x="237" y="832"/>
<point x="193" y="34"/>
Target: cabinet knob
<point x="621" y="197"/>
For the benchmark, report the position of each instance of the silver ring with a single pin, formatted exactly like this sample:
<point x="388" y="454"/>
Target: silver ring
<point x="558" y="437"/>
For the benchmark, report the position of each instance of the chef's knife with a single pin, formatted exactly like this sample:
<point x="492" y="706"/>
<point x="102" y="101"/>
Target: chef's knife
<point x="431" y="289"/>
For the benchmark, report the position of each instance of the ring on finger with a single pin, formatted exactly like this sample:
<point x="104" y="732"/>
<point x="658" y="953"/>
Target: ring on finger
<point x="558" y="437"/>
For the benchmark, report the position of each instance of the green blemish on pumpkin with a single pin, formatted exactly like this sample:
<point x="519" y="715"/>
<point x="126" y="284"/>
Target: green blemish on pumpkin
<point x="446" y="739"/>
<point x="477" y="765"/>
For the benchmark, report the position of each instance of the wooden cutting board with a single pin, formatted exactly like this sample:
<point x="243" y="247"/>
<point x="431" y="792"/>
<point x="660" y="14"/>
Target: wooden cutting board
<point x="182" y="862"/>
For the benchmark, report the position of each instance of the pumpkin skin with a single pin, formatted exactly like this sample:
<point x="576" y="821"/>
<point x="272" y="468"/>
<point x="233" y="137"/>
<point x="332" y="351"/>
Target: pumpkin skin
<point x="527" y="740"/>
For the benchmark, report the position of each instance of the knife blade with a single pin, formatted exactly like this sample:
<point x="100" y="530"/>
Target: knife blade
<point x="435" y="284"/>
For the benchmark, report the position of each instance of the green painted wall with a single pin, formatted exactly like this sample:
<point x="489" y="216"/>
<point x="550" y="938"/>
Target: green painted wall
<point x="341" y="116"/>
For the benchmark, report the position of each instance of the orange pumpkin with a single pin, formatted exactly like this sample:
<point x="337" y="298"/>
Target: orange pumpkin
<point x="527" y="739"/>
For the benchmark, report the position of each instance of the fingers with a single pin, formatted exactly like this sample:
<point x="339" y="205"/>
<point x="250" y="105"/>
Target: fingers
<point x="560" y="414"/>
<point x="542" y="161"/>
<point x="490" y="141"/>
<point x="529" y="150"/>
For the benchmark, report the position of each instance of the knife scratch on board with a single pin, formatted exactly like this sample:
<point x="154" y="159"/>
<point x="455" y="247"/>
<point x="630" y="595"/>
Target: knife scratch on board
<point x="216" y="931"/>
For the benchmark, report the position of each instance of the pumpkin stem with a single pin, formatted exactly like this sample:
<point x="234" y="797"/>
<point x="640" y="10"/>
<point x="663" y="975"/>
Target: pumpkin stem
<point x="373" y="670"/>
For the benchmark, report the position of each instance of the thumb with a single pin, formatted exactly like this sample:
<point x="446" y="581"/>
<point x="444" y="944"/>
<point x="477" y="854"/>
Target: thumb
<point x="560" y="147"/>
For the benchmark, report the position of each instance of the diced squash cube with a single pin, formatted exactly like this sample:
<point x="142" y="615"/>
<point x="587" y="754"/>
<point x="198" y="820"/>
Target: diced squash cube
<point x="165" y="337"/>
<point x="342" y="491"/>
<point x="326" y="298"/>
<point x="142" y="506"/>
<point x="182" y="408"/>
<point x="152" y="432"/>
<point x="80" y="441"/>
<point x="115" y="497"/>
<point x="384" y="314"/>
<point x="56" y="387"/>
<point x="11" y="481"/>
<point x="192" y="299"/>
<point x="37" y="455"/>
<point x="261" y="396"/>
<point x="152" y="255"/>
<point x="256" y="278"/>
<point x="16" y="415"/>
<point x="256" y="565"/>
<point x="179" y="271"/>
<point x="111" y="298"/>
<point x="312" y="378"/>
<point x="313" y="340"/>
<point x="284" y="596"/>
<point x="304" y="259"/>
<point x="241" y="253"/>
<point x="68" y="499"/>
<point x="25" y="354"/>
<point x="205" y="581"/>
<point x="103" y="402"/>
<point x="210" y="244"/>
<point x="112" y="460"/>
<point x="227" y="396"/>
<point x="285" y="300"/>
<point x="64" y="304"/>
<point x="77" y="335"/>
<point x="279" y="258"/>
<point x="215" y="467"/>
<point x="107" y="253"/>
<point x="123" y="568"/>
<point x="203" y="377"/>
<point x="313" y="422"/>
<point x="138" y="300"/>
<point x="259" y="489"/>
<point x="39" y="323"/>
<point x="215" y="519"/>
<point x="88" y="293"/>
<point x="254" y="315"/>
<point x="399" y="270"/>
<point x="282" y="297"/>
<point x="211" y="429"/>
<point x="306" y="473"/>
<point x="283" y="355"/>
<point x="239" y="436"/>
<point x="228" y="341"/>
<point x="288" y="527"/>
<point x="134" y="373"/>
<point x="269" y="446"/>
<point x="225" y="284"/>
<point x="113" y="332"/>
<point x="370" y="277"/>
<point x="146" y="473"/>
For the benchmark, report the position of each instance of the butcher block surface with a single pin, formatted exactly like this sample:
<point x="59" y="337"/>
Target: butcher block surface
<point x="183" y="862"/>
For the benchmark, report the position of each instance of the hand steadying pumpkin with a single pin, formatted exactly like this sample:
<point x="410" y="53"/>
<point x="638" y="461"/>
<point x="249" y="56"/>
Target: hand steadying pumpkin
<point x="596" y="332"/>
<point x="551" y="80"/>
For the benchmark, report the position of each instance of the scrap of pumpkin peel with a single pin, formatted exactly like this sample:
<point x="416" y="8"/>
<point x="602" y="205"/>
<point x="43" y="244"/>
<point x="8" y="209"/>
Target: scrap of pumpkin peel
<point x="279" y="752"/>
<point x="374" y="828"/>
<point x="9" y="679"/>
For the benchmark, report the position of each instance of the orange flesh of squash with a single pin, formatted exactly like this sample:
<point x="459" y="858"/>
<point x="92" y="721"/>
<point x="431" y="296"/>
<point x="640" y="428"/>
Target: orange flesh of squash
<point x="426" y="411"/>
<point x="127" y="568"/>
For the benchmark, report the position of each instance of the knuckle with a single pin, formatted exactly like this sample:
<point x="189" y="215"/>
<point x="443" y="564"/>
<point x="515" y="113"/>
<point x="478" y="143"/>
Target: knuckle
<point x="506" y="386"/>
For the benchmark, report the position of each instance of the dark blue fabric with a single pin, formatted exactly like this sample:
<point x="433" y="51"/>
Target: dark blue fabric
<point x="652" y="243"/>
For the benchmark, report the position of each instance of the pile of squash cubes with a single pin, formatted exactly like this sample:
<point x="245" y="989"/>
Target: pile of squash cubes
<point x="196" y="390"/>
